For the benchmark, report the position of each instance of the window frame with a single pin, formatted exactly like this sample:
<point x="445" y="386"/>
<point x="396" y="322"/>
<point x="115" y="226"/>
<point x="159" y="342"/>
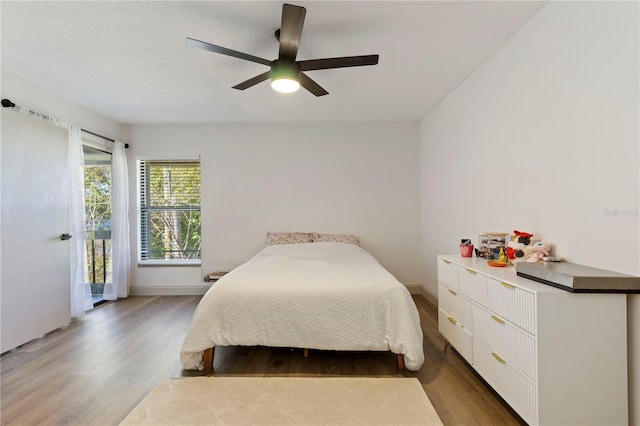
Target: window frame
<point x="163" y="262"/>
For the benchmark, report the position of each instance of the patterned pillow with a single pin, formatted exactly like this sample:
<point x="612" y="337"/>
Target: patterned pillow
<point x="289" y="237"/>
<point x="336" y="238"/>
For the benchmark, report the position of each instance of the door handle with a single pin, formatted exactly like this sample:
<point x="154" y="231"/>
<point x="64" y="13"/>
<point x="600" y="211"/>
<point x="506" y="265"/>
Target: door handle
<point x="65" y="237"/>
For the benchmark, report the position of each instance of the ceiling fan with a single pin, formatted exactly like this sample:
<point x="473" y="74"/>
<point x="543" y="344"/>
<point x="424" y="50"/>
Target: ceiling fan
<point x="286" y="73"/>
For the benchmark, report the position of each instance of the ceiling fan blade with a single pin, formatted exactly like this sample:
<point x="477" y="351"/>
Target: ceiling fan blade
<point x="223" y="50"/>
<point x="311" y="85"/>
<point x="253" y="81"/>
<point x="345" y="61"/>
<point x="291" y="31"/>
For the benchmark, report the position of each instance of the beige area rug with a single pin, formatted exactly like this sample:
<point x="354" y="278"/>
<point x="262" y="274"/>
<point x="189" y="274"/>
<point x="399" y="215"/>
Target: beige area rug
<point x="285" y="401"/>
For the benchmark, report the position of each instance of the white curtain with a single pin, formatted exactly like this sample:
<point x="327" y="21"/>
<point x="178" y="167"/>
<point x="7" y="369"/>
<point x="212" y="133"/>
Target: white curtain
<point x="120" y="256"/>
<point x="80" y="290"/>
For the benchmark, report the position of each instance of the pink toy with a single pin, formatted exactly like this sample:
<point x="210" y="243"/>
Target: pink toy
<point x="538" y="250"/>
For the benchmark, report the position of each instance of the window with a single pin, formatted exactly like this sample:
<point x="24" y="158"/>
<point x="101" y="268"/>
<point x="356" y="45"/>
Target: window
<point x="170" y="210"/>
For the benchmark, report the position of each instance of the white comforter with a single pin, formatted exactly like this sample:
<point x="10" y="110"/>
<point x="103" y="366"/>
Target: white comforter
<point x="326" y="295"/>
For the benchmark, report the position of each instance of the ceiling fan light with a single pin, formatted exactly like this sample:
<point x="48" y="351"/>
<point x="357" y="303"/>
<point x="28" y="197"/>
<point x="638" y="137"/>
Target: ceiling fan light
<point x="285" y="85"/>
<point x="285" y="76"/>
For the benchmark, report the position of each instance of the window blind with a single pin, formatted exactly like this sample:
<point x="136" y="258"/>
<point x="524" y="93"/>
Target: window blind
<point x="170" y="220"/>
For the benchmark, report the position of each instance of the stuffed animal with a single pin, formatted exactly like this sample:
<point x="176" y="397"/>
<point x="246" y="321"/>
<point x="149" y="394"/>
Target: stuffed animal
<point x="540" y="250"/>
<point x="518" y="248"/>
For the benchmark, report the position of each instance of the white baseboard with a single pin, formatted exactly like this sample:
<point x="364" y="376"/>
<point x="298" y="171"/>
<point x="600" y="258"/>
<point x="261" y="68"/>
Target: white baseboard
<point x="430" y="297"/>
<point x="168" y="291"/>
<point x="418" y="289"/>
<point x="414" y="288"/>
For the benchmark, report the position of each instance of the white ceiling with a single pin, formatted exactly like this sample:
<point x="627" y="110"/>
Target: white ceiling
<point x="127" y="60"/>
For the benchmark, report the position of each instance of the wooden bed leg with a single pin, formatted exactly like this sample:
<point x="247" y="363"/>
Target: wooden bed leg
<point x="306" y="353"/>
<point x="400" y="359"/>
<point x="208" y="359"/>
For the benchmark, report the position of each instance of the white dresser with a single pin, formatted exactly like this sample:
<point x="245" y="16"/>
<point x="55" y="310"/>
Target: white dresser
<point x="557" y="358"/>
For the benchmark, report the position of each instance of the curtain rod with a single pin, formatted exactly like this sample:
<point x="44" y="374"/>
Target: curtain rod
<point x="6" y="103"/>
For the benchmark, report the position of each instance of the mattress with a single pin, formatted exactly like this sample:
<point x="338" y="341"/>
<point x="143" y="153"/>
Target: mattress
<point x="326" y="295"/>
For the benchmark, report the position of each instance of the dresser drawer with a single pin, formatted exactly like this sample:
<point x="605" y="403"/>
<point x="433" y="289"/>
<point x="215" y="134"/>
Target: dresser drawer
<point x="516" y="388"/>
<point x="448" y="273"/>
<point x="455" y="305"/>
<point x="459" y="337"/>
<point x="513" y="343"/>
<point x="473" y="285"/>
<point x="488" y="364"/>
<point x="513" y="304"/>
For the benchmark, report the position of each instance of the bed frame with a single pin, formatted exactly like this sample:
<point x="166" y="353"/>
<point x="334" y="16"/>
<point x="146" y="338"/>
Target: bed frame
<point x="209" y="353"/>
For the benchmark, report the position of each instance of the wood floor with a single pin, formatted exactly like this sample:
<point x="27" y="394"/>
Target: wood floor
<point x="96" y="370"/>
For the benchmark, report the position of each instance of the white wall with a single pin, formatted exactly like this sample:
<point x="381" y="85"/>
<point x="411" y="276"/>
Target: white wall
<point x="358" y="179"/>
<point x="34" y="97"/>
<point x="544" y="138"/>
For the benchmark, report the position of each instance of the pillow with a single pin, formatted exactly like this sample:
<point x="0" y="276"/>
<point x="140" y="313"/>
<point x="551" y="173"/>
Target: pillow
<point x="289" y="238"/>
<point x="336" y="238"/>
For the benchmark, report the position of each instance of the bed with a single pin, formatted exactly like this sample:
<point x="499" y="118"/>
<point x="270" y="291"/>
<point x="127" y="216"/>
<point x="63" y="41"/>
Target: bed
<point x="321" y="294"/>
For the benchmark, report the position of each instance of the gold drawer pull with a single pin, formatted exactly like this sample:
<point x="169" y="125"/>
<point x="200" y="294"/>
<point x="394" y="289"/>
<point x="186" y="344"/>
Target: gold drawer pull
<point x="452" y="291"/>
<point x="446" y="261"/>
<point x="453" y="320"/>
<point x="498" y="357"/>
<point x="500" y="320"/>
<point x="471" y="271"/>
<point x="508" y="285"/>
